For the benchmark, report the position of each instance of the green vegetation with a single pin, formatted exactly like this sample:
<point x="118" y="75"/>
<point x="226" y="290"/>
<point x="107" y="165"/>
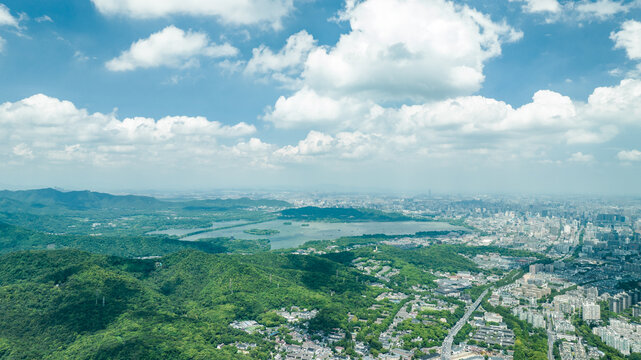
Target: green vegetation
<point x="430" y="328"/>
<point x="556" y="351"/>
<point x="465" y="331"/>
<point x="176" y="307"/>
<point x="13" y="238"/>
<point x="437" y="257"/>
<point x="179" y="306"/>
<point x="477" y="250"/>
<point x="313" y="213"/>
<point x="63" y="303"/>
<point x="585" y="331"/>
<point x="530" y="343"/>
<point x="271" y="319"/>
<point x="261" y="232"/>
<point x="85" y="212"/>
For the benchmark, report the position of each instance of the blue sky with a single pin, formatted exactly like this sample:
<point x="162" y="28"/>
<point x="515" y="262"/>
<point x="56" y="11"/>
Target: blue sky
<point x="390" y="95"/>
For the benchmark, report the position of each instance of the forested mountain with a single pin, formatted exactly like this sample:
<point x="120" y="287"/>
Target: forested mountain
<point x="43" y="200"/>
<point x="13" y="238"/>
<point x="71" y="304"/>
<point x="78" y="200"/>
<point x="87" y="212"/>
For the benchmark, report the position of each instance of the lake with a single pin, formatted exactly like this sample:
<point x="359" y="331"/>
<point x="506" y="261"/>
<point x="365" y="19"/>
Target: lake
<point x="297" y="233"/>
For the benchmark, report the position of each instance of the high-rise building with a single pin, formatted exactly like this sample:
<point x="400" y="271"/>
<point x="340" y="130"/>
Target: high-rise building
<point x="591" y="311"/>
<point x="613" y="303"/>
<point x="592" y="292"/>
<point x="535" y="268"/>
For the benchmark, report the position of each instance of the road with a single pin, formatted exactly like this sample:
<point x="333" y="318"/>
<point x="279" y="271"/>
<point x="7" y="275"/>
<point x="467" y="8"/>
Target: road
<point x="446" y="350"/>
<point x="550" y="345"/>
<point x="551" y="339"/>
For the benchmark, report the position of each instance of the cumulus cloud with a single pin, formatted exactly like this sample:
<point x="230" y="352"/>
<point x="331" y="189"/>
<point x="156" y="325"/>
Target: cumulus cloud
<point x="315" y="143"/>
<point x="244" y="12"/>
<point x="422" y="50"/>
<point x="630" y="155"/>
<point x="620" y="103"/>
<point x="306" y="107"/>
<point x="285" y="63"/>
<point x="6" y="18"/>
<point x="42" y="127"/>
<point x="463" y="125"/>
<point x="629" y="39"/>
<point x="388" y="87"/>
<point x="171" y="47"/>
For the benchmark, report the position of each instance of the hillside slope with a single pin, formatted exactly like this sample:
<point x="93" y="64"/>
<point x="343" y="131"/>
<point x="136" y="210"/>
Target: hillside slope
<point x="70" y="304"/>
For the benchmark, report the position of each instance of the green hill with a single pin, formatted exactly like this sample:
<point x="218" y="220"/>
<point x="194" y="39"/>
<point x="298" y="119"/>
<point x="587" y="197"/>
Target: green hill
<point x="177" y="307"/>
<point x="77" y="200"/>
<point x="13" y="238"/>
<point x="87" y="212"/>
<point x="44" y="200"/>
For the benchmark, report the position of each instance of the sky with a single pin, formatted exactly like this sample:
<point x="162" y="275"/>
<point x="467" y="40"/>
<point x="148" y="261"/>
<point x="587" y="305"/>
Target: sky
<point x="506" y="96"/>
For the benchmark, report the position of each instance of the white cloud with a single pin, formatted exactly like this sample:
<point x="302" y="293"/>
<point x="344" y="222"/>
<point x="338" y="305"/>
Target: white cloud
<point x="42" y="127"/>
<point x="6" y="18"/>
<point x="631" y="155"/>
<point x="540" y="6"/>
<point x="397" y="51"/>
<point x="595" y="136"/>
<point x="315" y="143"/>
<point x="171" y="47"/>
<point x="307" y="108"/>
<point x="581" y="157"/>
<point x="44" y="18"/>
<point x="616" y="104"/>
<point x="2" y="42"/>
<point x="23" y="150"/>
<point x="629" y="39"/>
<point x="240" y="12"/>
<point x="287" y="62"/>
<point x="146" y="130"/>
<point x="472" y="125"/>
<point x="80" y="56"/>
<point x="600" y="9"/>
<point x="423" y="50"/>
<point x="576" y="11"/>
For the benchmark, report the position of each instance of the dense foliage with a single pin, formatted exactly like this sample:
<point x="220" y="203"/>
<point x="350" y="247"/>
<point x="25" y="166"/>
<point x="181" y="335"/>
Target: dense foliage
<point x="530" y="343"/>
<point x="13" y="238"/>
<point x="70" y="304"/>
<point x="85" y="212"/>
<point x="437" y="257"/>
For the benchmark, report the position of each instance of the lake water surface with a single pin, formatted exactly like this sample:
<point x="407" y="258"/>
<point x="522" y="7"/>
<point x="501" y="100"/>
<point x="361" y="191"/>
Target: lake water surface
<point x="299" y="233"/>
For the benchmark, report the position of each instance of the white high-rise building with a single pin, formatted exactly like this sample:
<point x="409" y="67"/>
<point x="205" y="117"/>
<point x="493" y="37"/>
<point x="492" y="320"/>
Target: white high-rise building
<point x="591" y="311"/>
